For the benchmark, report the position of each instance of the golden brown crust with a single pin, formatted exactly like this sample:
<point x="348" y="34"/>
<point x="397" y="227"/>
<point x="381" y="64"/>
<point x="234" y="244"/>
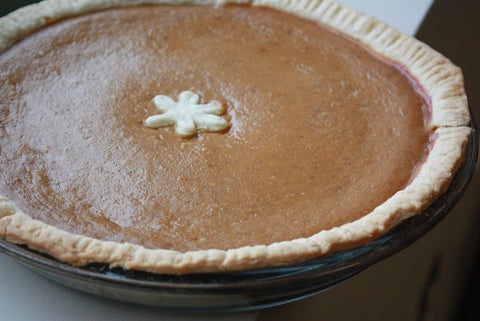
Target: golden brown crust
<point x="440" y="79"/>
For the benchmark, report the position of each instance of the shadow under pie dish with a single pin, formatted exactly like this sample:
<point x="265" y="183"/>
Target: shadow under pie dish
<point x="323" y="129"/>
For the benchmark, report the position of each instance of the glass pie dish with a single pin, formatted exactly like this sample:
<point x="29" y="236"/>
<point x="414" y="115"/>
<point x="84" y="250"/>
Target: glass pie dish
<point x="248" y="290"/>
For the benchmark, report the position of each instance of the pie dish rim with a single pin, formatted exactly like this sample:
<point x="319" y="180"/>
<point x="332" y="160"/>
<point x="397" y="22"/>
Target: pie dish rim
<point x="226" y="292"/>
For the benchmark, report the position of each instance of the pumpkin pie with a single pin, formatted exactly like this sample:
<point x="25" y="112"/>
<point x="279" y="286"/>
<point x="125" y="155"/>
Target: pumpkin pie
<point x="207" y="136"/>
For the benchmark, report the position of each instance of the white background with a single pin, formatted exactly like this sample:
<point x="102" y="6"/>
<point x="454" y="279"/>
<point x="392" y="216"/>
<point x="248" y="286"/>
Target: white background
<point x="27" y="296"/>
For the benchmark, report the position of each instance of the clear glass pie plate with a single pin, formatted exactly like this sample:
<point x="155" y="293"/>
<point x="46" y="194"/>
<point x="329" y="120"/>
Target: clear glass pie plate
<point x="247" y="290"/>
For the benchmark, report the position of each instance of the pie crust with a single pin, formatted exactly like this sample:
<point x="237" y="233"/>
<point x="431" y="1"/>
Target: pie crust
<point x="436" y="75"/>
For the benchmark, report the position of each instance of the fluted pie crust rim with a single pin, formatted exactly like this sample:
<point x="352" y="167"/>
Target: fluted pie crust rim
<point x="436" y="75"/>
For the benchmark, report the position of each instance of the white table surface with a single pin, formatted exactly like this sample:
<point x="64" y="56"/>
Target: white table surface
<point x="26" y="296"/>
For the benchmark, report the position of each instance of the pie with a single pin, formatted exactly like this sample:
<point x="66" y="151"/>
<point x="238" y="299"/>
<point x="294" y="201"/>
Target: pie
<point x="202" y="136"/>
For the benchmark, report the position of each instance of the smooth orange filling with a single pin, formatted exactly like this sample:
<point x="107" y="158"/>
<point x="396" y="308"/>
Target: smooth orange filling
<point x="322" y="130"/>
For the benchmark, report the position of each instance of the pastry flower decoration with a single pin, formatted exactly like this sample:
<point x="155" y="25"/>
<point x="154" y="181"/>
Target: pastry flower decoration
<point x="187" y="114"/>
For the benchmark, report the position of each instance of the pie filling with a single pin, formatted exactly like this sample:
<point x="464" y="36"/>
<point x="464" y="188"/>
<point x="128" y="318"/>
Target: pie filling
<point x="320" y="130"/>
